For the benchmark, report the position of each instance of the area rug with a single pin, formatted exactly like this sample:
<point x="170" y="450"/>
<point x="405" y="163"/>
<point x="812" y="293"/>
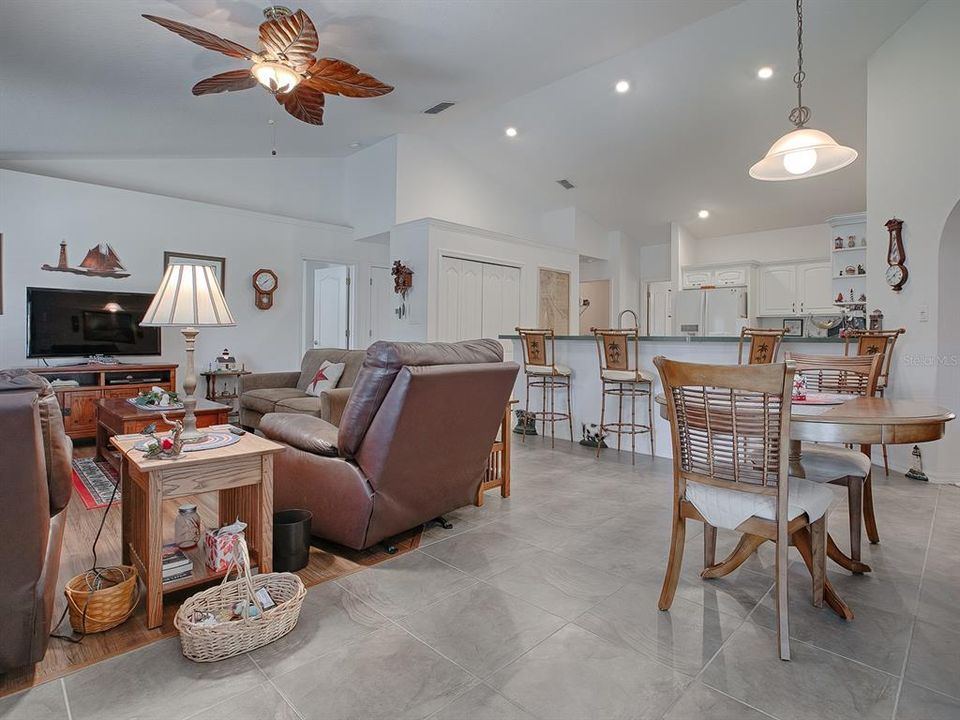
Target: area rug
<point x="94" y="481"/>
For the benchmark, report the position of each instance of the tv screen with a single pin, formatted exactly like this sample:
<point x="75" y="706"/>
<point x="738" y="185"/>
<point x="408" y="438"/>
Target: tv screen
<point x="75" y="323"/>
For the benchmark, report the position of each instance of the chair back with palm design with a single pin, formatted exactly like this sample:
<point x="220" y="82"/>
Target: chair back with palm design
<point x="618" y="350"/>
<point x="762" y="345"/>
<point x="874" y="342"/>
<point x="539" y="348"/>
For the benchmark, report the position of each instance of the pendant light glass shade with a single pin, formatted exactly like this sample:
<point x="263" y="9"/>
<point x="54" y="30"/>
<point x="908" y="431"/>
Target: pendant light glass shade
<point x="802" y="153"/>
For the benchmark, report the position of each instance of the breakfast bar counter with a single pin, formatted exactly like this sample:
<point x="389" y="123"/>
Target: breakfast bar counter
<point x="579" y="353"/>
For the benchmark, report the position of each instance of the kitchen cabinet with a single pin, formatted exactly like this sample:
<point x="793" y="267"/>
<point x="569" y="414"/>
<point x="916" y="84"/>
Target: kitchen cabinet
<point x="795" y="289"/>
<point x="733" y="276"/>
<point x="693" y="279"/>
<point x="730" y="277"/>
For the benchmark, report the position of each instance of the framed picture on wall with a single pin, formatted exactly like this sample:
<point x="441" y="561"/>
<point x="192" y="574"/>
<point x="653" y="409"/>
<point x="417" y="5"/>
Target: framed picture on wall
<point x="553" y="298"/>
<point x="219" y="263"/>
<point x="793" y="326"/>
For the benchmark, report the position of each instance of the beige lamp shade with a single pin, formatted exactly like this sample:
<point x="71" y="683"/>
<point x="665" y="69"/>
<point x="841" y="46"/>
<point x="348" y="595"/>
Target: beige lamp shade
<point x="802" y="153"/>
<point x="189" y="296"/>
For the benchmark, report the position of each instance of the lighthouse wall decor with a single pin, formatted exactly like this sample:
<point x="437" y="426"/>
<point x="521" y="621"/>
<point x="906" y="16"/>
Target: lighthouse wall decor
<point x="100" y="261"/>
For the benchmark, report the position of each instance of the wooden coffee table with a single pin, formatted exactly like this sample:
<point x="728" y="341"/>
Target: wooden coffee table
<point x="116" y="416"/>
<point x="242" y="475"/>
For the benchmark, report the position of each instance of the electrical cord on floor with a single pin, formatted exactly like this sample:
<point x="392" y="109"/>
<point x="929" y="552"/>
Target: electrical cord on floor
<point x="94" y="577"/>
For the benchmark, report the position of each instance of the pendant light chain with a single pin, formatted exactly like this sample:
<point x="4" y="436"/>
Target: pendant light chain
<point x="801" y="113"/>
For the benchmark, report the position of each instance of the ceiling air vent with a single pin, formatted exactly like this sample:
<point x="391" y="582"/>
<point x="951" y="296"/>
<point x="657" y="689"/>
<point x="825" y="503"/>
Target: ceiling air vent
<point x="565" y="184"/>
<point x="438" y="108"/>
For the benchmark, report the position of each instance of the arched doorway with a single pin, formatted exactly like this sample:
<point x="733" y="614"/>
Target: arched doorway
<point x="948" y="344"/>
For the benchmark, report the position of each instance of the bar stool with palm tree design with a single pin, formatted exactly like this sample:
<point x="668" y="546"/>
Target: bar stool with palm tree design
<point x="624" y="380"/>
<point x="541" y="370"/>
<point x="763" y="345"/>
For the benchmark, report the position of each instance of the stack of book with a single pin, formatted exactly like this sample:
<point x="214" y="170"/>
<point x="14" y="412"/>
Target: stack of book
<point x="176" y="564"/>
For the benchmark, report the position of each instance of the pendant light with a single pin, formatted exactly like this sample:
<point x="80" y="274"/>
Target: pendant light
<point x="803" y="152"/>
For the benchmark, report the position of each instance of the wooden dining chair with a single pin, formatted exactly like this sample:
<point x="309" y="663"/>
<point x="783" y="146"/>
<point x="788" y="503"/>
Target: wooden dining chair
<point x="730" y="428"/>
<point x="872" y="342"/>
<point x="853" y="375"/>
<point x="762" y="345"/>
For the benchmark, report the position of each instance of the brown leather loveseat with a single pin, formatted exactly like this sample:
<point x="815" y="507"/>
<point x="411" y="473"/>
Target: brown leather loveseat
<point x="35" y="487"/>
<point x="412" y="443"/>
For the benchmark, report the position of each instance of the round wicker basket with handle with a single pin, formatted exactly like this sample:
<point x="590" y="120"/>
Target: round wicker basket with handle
<point x="102" y="599"/>
<point x="209" y="643"/>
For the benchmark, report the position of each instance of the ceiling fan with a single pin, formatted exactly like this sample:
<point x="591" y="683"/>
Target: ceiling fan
<point x="285" y="65"/>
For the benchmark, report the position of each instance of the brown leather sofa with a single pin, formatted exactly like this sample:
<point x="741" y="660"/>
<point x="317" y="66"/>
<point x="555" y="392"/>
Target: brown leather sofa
<point x="412" y="443"/>
<point x="262" y="393"/>
<point x="35" y="487"/>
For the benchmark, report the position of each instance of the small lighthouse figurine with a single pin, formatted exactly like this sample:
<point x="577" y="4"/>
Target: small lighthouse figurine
<point x="62" y="262"/>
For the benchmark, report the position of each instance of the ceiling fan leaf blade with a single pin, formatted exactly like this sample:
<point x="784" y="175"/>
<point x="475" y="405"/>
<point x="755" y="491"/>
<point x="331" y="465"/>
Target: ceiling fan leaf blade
<point x="205" y="39"/>
<point x="292" y="37"/>
<point x="226" y="82"/>
<point x="338" y="77"/>
<point x="305" y="103"/>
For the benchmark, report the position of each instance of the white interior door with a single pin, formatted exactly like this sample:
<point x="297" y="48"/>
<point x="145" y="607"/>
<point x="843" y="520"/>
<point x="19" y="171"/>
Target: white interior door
<point x="660" y="308"/>
<point x="381" y="303"/>
<point x="331" y="309"/>
<point x="448" y="320"/>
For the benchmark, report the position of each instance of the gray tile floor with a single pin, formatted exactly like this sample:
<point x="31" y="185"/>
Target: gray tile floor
<point x="544" y="606"/>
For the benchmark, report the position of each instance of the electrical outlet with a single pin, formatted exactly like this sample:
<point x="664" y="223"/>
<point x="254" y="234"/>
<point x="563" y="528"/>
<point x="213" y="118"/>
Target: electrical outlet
<point x="924" y="313"/>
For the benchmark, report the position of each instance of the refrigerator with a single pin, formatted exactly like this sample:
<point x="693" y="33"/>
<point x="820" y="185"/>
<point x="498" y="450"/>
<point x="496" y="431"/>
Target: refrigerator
<point x="711" y="311"/>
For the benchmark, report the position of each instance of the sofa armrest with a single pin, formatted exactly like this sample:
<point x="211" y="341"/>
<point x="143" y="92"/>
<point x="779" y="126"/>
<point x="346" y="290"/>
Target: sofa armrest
<point x="304" y="432"/>
<point x="332" y="403"/>
<point x="259" y="381"/>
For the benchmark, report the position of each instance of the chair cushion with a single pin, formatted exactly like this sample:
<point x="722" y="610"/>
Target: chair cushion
<point x="263" y="400"/>
<point x="825" y="463"/>
<point x="308" y="405"/>
<point x="626" y="375"/>
<point x="728" y="508"/>
<point x="547" y="370"/>
<point x="309" y="434"/>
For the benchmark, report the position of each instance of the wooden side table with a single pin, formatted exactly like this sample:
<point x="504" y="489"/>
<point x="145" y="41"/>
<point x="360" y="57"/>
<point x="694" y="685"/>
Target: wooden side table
<point x="241" y="473"/>
<point x="497" y="472"/>
<point x="116" y="416"/>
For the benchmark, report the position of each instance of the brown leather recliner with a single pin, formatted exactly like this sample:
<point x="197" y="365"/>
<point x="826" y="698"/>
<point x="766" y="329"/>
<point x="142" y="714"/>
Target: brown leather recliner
<point x="412" y="443"/>
<point x="35" y="487"/>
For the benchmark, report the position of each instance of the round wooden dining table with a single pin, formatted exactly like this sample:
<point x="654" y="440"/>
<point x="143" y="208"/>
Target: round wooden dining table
<point x="862" y="421"/>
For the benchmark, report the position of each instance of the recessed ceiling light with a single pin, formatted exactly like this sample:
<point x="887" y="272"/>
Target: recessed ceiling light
<point x="703" y="214"/>
<point x="765" y="73"/>
<point x="356" y="145"/>
<point x="622" y="86"/>
<point x="511" y="132"/>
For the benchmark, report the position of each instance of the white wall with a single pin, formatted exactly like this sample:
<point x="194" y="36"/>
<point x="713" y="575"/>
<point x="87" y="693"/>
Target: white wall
<point x="302" y="188"/>
<point x="655" y="262"/>
<point x="370" y="196"/>
<point x="781" y="245"/>
<point x="682" y="243"/>
<point x="37" y="212"/>
<point x="913" y="173"/>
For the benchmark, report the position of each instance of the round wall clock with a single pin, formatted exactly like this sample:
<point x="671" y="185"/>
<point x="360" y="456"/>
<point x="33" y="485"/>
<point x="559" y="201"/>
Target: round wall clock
<point x="265" y="283"/>
<point x="896" y="272"/>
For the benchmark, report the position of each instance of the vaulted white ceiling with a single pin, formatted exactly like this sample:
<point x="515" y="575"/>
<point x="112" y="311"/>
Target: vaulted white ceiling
<point x="93" y="78"/>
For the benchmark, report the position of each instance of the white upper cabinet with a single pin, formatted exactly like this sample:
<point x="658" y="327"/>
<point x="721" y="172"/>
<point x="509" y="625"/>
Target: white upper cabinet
<point x="693" y="279"/>
<point x="730" y="277"/>
<point x="733" y="276"/>
<point x="777" y="287"/>
<point x="796" y="289"/>
<point x="815" y="288"/>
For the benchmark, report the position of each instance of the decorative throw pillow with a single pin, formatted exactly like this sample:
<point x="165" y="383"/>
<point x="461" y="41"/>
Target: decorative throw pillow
<point x="326" y="378"/>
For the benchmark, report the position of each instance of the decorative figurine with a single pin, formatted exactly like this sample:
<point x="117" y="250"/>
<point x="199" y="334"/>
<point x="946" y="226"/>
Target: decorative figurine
<point x="166" y="448"/>
<point x="839" y="297"/>
<point x="876" y="320"/>
<point x="863" y="298"/>
<point x="592" y="437"/>
<point x="917" y="473"/>
<point x="861" y="270"/>
<point x="838" y="243"/>
<point x="851" y="294"/>
<point x="863" y="242"/>
<point x="850" y="270"/>
<point x="526" y="423"/>
<point x="851" y="241"/>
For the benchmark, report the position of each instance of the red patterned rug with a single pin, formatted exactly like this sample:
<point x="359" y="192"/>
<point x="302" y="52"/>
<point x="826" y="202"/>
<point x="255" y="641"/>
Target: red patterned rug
<point x="94" y="481"/>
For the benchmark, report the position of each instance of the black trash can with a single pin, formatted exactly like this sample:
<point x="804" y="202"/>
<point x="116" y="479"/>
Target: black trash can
<point x="291" y="540"/>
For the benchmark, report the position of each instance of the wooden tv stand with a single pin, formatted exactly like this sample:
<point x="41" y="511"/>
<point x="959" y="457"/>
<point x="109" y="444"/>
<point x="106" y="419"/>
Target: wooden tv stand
<point x="95" y="382"/>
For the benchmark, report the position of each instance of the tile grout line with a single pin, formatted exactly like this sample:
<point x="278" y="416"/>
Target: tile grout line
<point x="66" y="700"/>
<point x="916" y="612"/>
<point x="279" y="692"/>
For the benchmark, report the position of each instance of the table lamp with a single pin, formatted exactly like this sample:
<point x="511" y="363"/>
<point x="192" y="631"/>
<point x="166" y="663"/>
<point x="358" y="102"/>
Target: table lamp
<point x="189" y="296"/>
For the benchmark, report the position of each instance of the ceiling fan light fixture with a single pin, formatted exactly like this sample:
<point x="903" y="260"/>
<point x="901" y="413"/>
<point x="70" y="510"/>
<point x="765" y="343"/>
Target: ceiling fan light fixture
<point x="802" y="153"/>
<point x="275" y="77"/>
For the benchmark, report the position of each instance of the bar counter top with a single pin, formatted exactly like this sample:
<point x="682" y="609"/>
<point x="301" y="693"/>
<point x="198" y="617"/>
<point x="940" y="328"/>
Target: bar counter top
<point x="691" y="338"/>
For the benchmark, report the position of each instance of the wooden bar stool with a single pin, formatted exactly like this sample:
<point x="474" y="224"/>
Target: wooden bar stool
<point x="621" y="378"/>
<point x="854" y="375"/>
<point x="871" y="342"/>
<point x="763" y="344"/>
<point x="542" y="371"/>
<point x="730" y="427"/>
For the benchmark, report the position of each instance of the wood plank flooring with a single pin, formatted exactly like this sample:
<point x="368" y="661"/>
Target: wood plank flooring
<point x="327" y="562"/>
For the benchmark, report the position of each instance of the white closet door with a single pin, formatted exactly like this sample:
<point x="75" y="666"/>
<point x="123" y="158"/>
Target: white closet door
<point x="510" y="313"/>
<point x="448" y="320"/>
<point x="471" y="300"/>
<point x="492" y="319"/>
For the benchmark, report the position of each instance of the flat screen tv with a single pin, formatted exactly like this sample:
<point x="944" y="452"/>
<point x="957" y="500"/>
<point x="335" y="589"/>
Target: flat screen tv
<point x="77" y="323"/>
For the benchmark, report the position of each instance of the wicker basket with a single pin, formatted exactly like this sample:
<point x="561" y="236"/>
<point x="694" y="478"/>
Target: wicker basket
<point x="218" y="642"/>
<point x="97" y="610"/>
